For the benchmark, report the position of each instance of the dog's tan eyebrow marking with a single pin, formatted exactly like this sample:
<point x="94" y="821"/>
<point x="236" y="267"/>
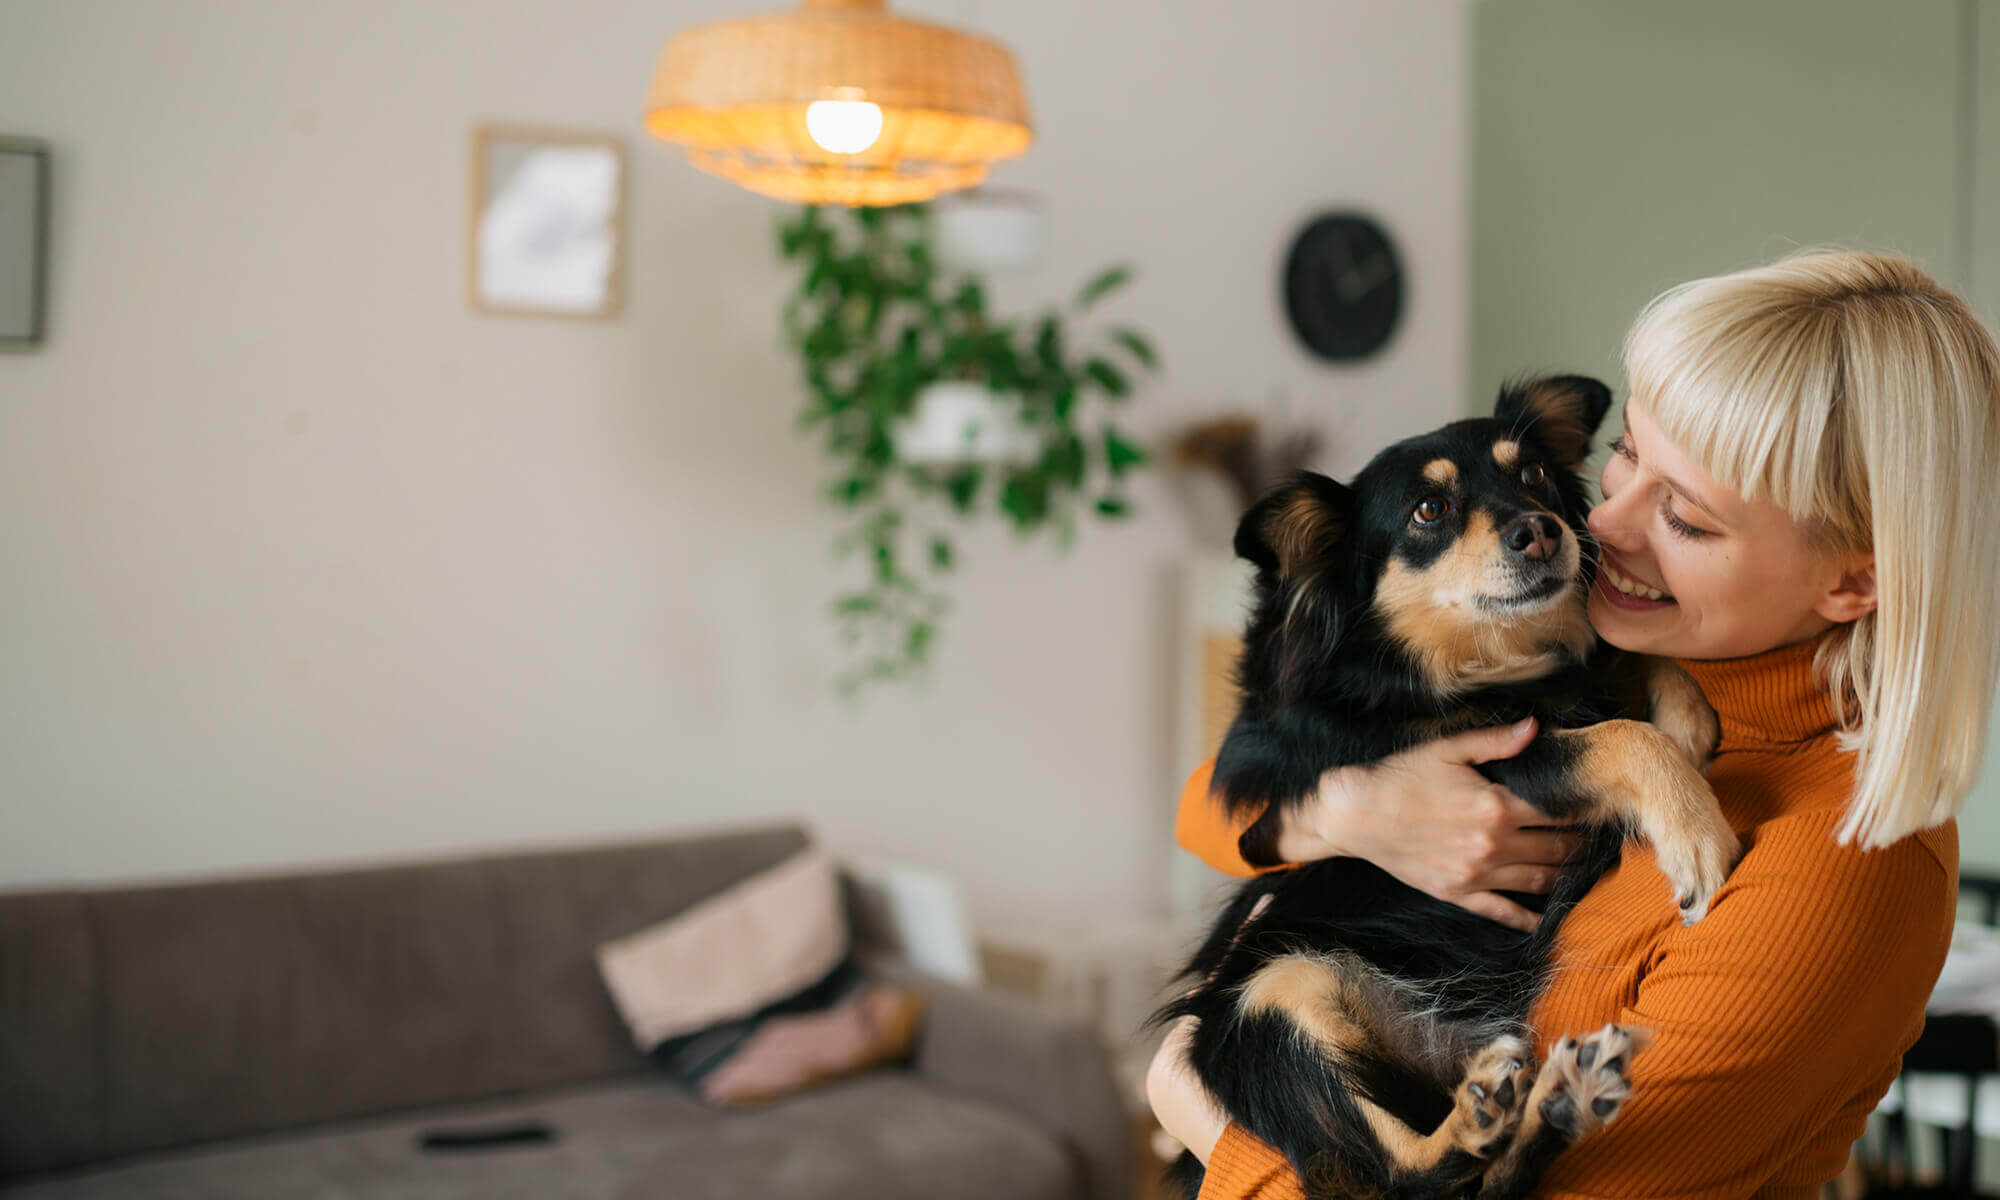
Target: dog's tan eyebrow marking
<point x="1441" y="471"/>
<point x="1507" y="453"/>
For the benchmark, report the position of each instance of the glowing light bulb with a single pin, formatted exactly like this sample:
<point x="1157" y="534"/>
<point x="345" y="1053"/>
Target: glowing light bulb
<point x="843" y="126"/>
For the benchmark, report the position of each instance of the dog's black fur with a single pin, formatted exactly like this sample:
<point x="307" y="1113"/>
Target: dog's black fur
<point x="1372" y="1033"/>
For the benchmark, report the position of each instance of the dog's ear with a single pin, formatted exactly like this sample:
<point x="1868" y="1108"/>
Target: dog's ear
<point x="1297" y="524"/>
<point x="1561" y="411"/>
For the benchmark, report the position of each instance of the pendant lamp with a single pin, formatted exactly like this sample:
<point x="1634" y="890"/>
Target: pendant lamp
<point x="838" y="102"/>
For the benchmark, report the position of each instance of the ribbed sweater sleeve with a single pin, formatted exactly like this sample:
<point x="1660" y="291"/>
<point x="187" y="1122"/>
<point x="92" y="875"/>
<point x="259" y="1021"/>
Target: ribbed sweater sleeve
<point x="1794" y="997"/>
<point x="1243" y="1168"/>
<point x="1205" y="831"/>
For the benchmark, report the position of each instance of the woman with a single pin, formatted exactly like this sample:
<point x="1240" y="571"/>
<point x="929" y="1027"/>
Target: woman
<point x="1800" y="512"/>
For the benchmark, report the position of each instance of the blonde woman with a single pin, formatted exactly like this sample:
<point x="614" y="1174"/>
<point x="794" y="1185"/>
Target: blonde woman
<point x="1800" y="510"/>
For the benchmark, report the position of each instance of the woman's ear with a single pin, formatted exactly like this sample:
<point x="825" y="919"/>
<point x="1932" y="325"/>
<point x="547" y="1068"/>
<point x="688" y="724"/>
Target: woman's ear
<point x="1852" y="594"/>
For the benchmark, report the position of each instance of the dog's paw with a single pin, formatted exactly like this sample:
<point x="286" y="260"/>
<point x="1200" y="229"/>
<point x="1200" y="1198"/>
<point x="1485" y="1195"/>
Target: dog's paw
<point x="1697" y="861"/>
<point x="1494" y="1095"/>
<point x="1585" y="1081"/>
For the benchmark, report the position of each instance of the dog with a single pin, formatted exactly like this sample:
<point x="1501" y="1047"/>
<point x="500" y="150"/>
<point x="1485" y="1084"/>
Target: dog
<point x="1374" y="1034"/>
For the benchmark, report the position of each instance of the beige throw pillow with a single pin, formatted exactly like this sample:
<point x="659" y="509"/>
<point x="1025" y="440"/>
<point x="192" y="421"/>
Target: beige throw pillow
<point x="730" y="955"/>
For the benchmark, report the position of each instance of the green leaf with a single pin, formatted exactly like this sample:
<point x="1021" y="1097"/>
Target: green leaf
<point x="963" y="486"/>
<point x="1107" y="377"/>
<point x="1139" y="347"/>
<point x="856" y="603"/>
<point x="941" y="554"/>
<point x="1113" y="506"/>
<point x="1106" y="282"/>
<point x="1066" y="460"/>
<point x="880" y="449"/>
<point x="1025" y="497"/>
<point x="1063" y="399"/>
<point x="1120" y="455"/>
<point x="1049" y="344"/>
<point x="970" y="299"/>
<point x="852" y="490"/>
<point x="919" y="639"/>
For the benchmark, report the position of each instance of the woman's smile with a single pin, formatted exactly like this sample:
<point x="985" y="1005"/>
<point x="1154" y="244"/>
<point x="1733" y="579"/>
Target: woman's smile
<point x="1625" y="589"/>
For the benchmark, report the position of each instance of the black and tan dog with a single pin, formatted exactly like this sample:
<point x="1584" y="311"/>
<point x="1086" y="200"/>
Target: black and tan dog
<point x="1375" y="1035"/>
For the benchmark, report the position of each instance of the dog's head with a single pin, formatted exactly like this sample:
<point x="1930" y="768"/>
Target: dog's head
<point x="1462" y="553"/>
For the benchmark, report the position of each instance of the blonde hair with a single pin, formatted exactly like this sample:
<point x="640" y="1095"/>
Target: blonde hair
<point x="1860" y="396"/>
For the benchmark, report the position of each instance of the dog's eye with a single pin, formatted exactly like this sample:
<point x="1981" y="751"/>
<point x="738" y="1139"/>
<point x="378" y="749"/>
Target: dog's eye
<point x="1430" y="510"/>
<point x="1532" y="475"/>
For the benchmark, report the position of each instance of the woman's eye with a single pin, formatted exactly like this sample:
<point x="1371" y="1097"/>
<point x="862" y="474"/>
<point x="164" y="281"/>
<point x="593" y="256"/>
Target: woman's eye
<point x="1532" y="475"/>
<point x="1430" y="510"/>
<point x="1693" y="533"/>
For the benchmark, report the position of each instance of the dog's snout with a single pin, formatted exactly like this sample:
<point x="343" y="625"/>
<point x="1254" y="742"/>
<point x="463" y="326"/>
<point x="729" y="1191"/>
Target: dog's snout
<point x="1534" y="536"/>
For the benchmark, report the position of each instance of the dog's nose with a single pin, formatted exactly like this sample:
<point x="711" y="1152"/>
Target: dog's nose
<point x="1534" y="536"/>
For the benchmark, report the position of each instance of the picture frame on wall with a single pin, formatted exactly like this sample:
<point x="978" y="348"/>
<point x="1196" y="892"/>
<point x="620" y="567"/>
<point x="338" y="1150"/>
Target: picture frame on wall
<point x="24" y="242"/>
<point x="546" y="228"/>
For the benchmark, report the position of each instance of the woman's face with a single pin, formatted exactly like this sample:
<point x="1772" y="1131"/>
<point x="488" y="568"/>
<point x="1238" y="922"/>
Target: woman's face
<point x="1689" y="569"/>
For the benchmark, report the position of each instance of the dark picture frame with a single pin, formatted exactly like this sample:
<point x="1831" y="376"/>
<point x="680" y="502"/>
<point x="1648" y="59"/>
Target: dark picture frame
<point x="24" y="241"/>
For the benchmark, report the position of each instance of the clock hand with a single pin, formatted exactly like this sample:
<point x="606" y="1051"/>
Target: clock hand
<point x="1371" y="275"/>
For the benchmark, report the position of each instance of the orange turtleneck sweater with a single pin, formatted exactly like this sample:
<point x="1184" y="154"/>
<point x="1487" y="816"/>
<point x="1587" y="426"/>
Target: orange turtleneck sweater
<point x="1781" y="1017"/>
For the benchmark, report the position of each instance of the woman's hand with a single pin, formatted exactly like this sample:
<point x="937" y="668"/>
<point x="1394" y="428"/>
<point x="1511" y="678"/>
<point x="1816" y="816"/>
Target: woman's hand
<point x="1431" y="820"/>
<point x="1184" y="1108"/>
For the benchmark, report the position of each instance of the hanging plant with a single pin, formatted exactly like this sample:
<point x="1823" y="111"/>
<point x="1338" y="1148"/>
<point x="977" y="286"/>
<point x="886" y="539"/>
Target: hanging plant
<point x="882" y="329"/>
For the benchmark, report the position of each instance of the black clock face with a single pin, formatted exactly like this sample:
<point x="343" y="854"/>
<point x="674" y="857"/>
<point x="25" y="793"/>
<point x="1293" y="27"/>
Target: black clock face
<point x="1343" y="287"/>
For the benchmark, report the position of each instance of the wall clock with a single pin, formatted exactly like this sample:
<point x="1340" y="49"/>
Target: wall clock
<point x="1343" y="286"/>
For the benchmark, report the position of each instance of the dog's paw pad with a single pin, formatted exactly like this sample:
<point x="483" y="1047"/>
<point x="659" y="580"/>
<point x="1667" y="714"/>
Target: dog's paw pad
<point x="1585" y="1083"/>
<point x="1494" y="1094"/>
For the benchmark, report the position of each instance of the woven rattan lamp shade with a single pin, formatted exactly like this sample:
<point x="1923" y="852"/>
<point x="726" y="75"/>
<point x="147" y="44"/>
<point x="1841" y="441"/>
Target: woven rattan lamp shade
<point x="735" y="95"/>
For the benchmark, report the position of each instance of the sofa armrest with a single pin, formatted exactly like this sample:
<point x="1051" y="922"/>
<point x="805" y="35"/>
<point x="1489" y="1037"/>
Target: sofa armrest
<point x="998" y="1050"/>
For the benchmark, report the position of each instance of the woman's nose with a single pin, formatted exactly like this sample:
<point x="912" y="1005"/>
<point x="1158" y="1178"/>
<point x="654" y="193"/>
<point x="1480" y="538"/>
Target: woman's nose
<point x="1614" y="522"/>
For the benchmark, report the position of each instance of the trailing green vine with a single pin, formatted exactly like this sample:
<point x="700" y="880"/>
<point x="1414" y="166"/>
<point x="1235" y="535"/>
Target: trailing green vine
<point x="875" y="319"/>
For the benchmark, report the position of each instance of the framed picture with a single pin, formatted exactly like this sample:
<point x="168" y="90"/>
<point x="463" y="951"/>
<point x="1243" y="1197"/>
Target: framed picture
<point x="547" y="224"/>
<point x="24" y="241"/>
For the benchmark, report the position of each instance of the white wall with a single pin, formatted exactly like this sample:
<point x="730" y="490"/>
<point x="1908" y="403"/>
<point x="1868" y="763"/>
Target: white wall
<point x="303" y="562"/>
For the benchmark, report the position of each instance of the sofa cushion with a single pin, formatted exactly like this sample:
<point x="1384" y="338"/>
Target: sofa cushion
<point x="751" y="944"/>
<point x="878" y="1137"/>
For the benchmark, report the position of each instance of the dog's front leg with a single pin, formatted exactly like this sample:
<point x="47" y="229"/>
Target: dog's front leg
<point x="1634" y="775"/>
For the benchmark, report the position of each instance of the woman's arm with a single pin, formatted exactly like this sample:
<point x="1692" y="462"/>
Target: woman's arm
<point x="1425" y="816"/>
<point x="1779" y="1019"/>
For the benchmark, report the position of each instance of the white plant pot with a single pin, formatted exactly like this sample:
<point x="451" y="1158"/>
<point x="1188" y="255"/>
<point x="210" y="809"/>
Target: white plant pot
<point x="956" y="420"/>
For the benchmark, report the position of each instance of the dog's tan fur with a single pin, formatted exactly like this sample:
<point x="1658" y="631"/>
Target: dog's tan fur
<point x="1434" y="613"/>
<point x="1643" y="776"/>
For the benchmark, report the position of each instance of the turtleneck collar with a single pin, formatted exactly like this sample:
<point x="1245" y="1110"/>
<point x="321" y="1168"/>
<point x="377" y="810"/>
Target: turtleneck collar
<point x="1766" y="700"/>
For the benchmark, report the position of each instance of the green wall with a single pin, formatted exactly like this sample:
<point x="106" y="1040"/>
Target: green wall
<point x="1621" y="147"/>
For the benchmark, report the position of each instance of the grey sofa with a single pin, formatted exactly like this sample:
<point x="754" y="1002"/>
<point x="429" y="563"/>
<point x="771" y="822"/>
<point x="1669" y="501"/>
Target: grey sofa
<point x="292" y="1036"/>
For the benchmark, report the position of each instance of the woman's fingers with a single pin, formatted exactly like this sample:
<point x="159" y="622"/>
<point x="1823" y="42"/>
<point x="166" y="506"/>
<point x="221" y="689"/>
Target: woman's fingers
<point x="1182" y="1105"/>
<point x="1485" y="745"/>
<point x="1516" y="812"/>
<point x="1498" y="908"/>
<point x="1539" y="847"/>
<point x="1521" y="878"/>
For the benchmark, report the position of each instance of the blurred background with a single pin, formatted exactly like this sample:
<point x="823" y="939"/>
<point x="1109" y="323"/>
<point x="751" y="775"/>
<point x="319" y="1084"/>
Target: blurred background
<point x="319" y="557"/>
